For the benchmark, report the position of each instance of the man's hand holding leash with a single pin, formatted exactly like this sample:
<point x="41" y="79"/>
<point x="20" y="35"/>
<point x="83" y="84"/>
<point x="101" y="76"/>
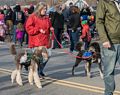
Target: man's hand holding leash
<point x="107" y="45"/>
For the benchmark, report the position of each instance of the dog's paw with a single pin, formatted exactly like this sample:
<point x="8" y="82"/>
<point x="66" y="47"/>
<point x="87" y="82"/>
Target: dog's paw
<point x="13" y="76"/>
<point x="73" y="71"/>
<point x="37" y="80"/>
<point x="31" y="83"/>
<point x="101" y="75"/>
<point x="89" y="75"/>
<point x="19" y="79"/>
<point x="12" y="81"/>
<point x="20" y="84"/>
<point x="39" y="86"/>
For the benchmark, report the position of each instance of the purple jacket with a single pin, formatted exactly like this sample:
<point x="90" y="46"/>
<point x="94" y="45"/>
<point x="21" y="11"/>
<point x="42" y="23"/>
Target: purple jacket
<point x="19" y="34"/>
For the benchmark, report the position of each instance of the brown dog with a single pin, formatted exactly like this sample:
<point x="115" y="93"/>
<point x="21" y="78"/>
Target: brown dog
<point x="94" y="48"/>
<point x="32" y="61"/>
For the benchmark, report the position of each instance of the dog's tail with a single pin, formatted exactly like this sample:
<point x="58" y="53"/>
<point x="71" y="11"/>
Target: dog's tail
<point x="13" y="49"/>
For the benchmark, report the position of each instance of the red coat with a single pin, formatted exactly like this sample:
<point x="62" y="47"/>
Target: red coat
<point x="2" y="17"/>
<point x="33" y="26"/>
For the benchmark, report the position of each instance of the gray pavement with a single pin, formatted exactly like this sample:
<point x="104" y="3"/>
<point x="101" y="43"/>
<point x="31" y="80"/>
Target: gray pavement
<point x="58" y="71"/>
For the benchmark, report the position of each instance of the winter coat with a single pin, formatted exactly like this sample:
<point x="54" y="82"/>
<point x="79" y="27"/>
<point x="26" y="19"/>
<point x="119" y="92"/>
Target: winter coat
<point x="33" y="26"/>
<point x="108" y="21"/>
<point x="18" y="17"/>
<point x="57" y="20"/>
<point x="9" y="15"/>
<point x="74" y="21"/>
<point x="86" y="36"/>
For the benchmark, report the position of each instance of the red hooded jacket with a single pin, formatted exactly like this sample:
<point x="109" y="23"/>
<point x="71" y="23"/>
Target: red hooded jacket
<point x="33" y="26"/>
<point x="86" y="33"/>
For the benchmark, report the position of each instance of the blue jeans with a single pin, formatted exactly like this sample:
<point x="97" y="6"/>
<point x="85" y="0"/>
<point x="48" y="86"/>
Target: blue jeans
<point x="20" y="41"/>
<point x="14" y="33"/>
<point x="74" y="38"/>
<point x="110" y="58"/>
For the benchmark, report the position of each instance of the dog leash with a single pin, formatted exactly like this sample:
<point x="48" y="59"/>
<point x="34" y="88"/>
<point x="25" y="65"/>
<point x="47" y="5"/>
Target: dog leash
<point x="71" y="54"/>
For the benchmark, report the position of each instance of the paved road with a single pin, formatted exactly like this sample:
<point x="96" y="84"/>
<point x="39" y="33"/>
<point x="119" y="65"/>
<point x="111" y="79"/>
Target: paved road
<point x="59" y="80"/>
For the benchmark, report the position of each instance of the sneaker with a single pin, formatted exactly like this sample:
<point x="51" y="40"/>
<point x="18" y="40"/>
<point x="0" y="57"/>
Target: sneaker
<point x="42" y="74"/>
<point x="41" y="77"/>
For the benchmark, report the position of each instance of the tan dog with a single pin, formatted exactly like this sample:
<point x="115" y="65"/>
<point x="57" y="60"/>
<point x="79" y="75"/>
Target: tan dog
<point x="21" y="59"/>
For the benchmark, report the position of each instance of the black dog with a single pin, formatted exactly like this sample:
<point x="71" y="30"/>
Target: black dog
<point x="95" y="57"/>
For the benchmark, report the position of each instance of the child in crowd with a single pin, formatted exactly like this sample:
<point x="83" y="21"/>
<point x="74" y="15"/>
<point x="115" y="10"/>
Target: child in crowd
<point x="2" y="16"/>
<point x="86" y="35"/>
<point x="20" y="33"/>
<point x="3" y="28"/>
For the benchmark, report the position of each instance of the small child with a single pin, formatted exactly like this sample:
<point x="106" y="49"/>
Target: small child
<point x="86" y="35"/>
<point x="2" y="31"/>
<point x="2" y="16"/>
<point x="20" y="33"/>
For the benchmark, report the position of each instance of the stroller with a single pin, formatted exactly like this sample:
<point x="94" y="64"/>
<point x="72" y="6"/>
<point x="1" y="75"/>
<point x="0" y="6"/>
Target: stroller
<point x="3" y="28"/>
<point x="65" y="40"/>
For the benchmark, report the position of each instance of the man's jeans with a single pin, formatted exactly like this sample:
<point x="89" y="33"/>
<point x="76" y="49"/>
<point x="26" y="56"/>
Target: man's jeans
<point x="110" y="58"/>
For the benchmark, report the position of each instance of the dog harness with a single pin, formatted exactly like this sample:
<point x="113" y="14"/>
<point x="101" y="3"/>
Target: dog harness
<point x="26" y="61"/>
<point x="87" y="54"/>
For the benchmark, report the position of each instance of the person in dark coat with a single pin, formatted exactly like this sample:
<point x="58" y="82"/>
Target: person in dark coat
<point x="57" y="20"/>
<point x="18" y="17"/>
<point x="74" y="24"/>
